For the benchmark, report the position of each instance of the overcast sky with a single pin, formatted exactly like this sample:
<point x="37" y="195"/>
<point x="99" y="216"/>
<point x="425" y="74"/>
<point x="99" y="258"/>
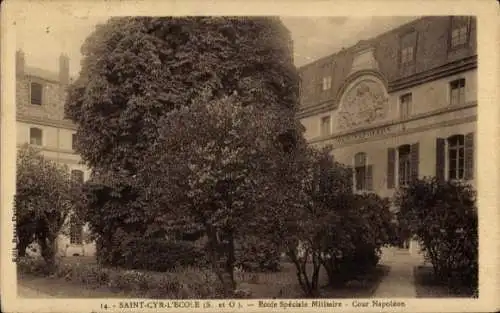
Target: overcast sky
<point x="59" y="31"/>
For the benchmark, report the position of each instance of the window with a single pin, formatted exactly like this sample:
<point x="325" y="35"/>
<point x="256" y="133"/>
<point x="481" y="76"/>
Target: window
<point x="457" y="92"/>
<point x="363" y="173"/>
<point x="360" y="170"/>
<point x="36" y="93"/>
<point x="404" y="165"/>
<point x="456" y="157"/>
<point x="76" y="230"/>
<point x="77" y="176"/>
<point x="459" y="36"/>
<point x="73" y="141"/>
<point x="408" y="44"/>
<point x="36" y="136"/>
<point x="327" y="83"/>
<point x="325" y="125"/>
<point x="405" y="102"/>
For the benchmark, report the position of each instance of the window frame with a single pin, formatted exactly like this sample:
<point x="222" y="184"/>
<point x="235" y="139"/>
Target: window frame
<point x="406" y="60"/>
<point x="459" y="162"/>
<point x="403" y="114"/>
<point x="75" y="232"/>
<point x="360" y="168"/>
<point x="31" y="136"/>
<point x="322" y="125"/>
<point x="404" y="178"/>
<point x="458" y="26"/>
<point x="326" y="83"/>
<point x="460" y="88"/>
<point x="31" y="83"/>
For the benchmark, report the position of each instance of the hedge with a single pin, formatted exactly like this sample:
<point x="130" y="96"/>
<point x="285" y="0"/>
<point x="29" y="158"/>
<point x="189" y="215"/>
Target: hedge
<point x="179" y="283"/>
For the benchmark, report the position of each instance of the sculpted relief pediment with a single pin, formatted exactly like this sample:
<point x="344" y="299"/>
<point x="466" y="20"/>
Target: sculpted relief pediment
<point x="364" y="103"/>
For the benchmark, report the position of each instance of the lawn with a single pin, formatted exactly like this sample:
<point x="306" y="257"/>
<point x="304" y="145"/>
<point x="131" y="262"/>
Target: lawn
<point x="282" y="284"/>
<point x="427" y="286"/>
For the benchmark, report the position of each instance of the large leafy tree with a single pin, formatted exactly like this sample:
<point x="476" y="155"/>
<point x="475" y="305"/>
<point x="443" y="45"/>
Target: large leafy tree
<point x="216" y="165"/>
<point x="44" y="199"/>
<point x="137" y="70"/>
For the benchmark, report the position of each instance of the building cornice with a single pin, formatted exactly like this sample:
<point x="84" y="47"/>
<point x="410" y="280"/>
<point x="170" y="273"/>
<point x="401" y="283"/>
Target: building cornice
<point x="46" y="122"/>
<point x="395" y="123"/>
<point x="448" y="69"/>
<point x="445" y="70"/>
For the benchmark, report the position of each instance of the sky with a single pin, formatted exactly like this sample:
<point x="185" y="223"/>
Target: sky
<point x="61" y="31"/>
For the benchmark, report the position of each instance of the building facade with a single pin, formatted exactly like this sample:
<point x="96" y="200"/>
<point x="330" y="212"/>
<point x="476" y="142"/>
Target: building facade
<point x="40" y="97"/>
<point x="398" y="106"/>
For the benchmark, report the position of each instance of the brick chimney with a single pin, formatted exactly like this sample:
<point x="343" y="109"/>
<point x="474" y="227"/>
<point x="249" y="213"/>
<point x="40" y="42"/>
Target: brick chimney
<point x="64" y="69"/>
<point x="20" y="63"/>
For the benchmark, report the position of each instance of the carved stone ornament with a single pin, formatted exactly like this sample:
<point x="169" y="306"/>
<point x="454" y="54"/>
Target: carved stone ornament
<point x="363" y="104"/>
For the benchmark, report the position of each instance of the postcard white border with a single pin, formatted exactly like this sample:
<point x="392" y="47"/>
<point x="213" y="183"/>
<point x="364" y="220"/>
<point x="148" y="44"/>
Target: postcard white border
<point x="487" y="128"/>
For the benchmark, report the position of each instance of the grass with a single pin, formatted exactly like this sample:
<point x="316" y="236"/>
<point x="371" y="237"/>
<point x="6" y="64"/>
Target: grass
<point x="428" y="287"/>
<point x="282" y="284"/>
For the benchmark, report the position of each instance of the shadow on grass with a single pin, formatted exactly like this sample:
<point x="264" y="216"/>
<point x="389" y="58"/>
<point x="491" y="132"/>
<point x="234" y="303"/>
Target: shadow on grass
<point x="428" y="287"/>
<point x="284" y="284"/>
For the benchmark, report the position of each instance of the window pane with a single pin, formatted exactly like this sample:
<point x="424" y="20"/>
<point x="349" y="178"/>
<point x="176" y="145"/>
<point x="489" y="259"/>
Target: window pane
<point x="36" y="93"/>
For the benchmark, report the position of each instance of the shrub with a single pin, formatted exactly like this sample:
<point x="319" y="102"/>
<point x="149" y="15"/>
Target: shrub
<point x="179" y="283"/>
<point x="443" y="216"/>
<point x="158" y="254"/>
<point x="256" y="255"/>
<point x="32" y="265"/>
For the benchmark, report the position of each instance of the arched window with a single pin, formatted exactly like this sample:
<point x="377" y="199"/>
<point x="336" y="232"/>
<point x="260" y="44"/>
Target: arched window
<point x="35" y="136"/>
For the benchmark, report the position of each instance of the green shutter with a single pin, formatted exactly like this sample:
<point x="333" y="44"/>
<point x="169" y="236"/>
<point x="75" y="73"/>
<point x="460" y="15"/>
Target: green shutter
<point x="391" y="163"/>
<point x="469" y="156"/>
<point x="440" y="159"/>
<point x="414" y="160"/>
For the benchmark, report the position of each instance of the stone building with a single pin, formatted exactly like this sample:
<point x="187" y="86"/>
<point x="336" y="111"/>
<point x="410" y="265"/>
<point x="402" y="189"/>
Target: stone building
<point x="40" y="96"/>
<point x="399" y="105"/>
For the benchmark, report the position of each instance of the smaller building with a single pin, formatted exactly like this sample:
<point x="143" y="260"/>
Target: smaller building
<point x="40" y="98"/>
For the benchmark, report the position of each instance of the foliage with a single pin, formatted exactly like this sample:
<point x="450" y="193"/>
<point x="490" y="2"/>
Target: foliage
<point x="443" y="216"/>
<point x="158" y="254"/>
<point x="223" y="164"/>
<point x="254" y="254"/>
<point x="142" y="73"/>
<point x="178" y="283"/>
<point x="44" y="198"/>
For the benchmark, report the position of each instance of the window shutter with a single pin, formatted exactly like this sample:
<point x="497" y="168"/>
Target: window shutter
<point x="469" y="156"/>
<point x="369" y="177"/>
<point x="414" y="161"/>
<point x="391" y="160"/>
<point x="440" y="159"/>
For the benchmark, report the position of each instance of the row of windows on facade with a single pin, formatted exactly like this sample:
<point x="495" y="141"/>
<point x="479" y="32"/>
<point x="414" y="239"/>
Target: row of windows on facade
<point x="36" y="137"/>
<point x="456" y="97"/>
<point x="454" y="161"/>
<point x="459" y="38"/>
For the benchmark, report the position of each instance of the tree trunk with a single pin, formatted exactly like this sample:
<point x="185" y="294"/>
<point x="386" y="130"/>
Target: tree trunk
<point x="222" y="259"/>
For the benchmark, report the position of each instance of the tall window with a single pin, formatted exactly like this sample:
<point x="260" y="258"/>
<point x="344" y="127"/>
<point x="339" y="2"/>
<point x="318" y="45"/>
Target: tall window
<point x="405" y="102"/>
<point x="36" y="92"/>
<point x="325" y="125"/>
<point x="457" y="91"/>
<point x="327" y="83"/>
<point x="76" y="230"/>
<point x="459" y="36"/>
<point x="404" y="172"/>
<point x="35" y="136"/>
<point x="363" y="173"/>
<point x="408" y="45"/>
<point x="73" y="141"/>
<point x="456" y="157"/>
<point x="77" y="176"/>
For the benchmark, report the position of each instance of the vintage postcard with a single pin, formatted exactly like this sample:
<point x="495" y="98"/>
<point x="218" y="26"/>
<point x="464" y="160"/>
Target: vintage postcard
<point x="234" y="156"/>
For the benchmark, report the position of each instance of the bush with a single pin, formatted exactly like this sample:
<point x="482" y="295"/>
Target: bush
<point x="158" y="255"/>
<point x="32" y="265"/>
<point x="256" y="255"/>
<point x="443" y="216"/>
<point x="180" y="283"/>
